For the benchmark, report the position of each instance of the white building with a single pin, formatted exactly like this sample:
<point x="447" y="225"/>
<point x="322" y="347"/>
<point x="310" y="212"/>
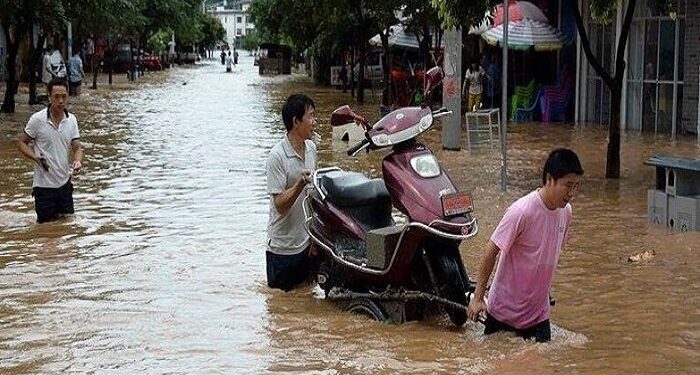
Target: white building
<point x="236" y="21"/>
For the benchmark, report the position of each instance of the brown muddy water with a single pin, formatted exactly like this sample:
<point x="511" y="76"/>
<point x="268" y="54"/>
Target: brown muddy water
<point x="162" y="268"/>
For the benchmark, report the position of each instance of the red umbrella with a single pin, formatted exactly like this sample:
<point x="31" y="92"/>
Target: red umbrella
<point x="519" y="10"/>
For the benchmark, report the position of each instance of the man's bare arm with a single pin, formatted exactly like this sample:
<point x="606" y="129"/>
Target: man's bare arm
<point x="23" y="141"/>
<point x="488" y="262"/>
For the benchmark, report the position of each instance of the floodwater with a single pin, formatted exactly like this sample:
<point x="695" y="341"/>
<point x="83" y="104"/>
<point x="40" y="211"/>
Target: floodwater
<point x="162" y="268"/>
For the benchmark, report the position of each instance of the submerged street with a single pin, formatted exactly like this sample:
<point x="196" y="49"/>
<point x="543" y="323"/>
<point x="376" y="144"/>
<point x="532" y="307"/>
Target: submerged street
<point x="162" y="268"/>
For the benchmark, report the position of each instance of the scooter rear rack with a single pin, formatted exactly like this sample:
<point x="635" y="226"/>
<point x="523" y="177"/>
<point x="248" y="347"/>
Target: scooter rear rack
<point x="400" y="295"/>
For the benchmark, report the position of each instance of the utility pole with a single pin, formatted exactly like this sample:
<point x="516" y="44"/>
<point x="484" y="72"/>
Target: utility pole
<point x="504" y="100"/>
<point x="69" y="48"/>
<point x="452" y="90"/>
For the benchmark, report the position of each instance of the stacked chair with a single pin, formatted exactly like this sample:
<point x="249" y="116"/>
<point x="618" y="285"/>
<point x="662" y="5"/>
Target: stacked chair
<point x="523" y="98"/>
<point x="526" y="114"/>
<point x="556" y="98"/>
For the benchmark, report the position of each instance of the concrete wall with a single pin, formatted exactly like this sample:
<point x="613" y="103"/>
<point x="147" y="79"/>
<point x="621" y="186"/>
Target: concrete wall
<point x="692" y="64"/>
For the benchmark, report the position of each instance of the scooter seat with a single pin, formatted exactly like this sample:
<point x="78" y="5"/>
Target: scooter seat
<point x="351" y="189"/>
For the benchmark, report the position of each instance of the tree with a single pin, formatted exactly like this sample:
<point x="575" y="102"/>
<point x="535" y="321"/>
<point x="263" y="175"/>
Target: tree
<point x="105" y="18"/>
<point x="603" y="10"/>
<point x="213" y="31"/>
<point x="422" y="20"/>
<point x="250" y="41"/>
<point x="462" y="14"/>
<point x="384" y="13"/>
<point x="18" y="19"/>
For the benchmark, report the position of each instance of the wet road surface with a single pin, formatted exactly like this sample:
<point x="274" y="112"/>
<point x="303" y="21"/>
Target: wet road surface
<point x="162" y="268"/>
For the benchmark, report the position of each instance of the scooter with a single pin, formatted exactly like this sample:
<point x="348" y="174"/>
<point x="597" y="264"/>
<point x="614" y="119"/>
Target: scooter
<point x="390" y="246"/>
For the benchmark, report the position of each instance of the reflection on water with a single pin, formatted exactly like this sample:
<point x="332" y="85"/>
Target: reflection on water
<point x="162" y="267"/>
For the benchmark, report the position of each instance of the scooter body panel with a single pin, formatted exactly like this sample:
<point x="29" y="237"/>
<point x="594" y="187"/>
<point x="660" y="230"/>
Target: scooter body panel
<point x="417" y="197"/>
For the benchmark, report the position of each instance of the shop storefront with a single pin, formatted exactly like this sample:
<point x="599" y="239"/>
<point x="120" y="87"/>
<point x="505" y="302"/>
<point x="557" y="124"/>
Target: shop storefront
<point x="660" y="93"/>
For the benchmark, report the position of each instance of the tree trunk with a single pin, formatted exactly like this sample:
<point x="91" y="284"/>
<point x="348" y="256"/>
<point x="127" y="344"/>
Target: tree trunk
<point x="8" y="104"/>
<point x="111" y="61"/>
<point x="35" y="64"/>
<point x="352" y="72"/>
<point x="612" y="167"/>
<point x="132" y="66"/>
<point x="95" y="67"/>
<point x="614" y="83"/>
<point x="387" y="95"/>
<point x="361" y="74"/>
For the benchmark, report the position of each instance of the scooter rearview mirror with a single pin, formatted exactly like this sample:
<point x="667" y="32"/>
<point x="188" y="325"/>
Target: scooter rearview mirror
<point x="432" y="79"/>
<point x="344" y="115"/>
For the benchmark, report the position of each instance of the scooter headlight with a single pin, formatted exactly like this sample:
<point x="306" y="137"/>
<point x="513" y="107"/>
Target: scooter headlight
<point x="425" y="165"/>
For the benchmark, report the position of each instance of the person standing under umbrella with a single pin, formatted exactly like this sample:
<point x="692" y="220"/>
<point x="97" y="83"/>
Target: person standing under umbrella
<point x="472" y="79"/>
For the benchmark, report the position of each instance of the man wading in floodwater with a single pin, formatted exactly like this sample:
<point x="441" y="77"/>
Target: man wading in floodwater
<point x="54" y="134"/>
<point x="530" y="237"/>
<point x="289" y="168"/>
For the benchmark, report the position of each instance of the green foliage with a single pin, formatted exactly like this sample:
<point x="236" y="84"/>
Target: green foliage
<point x="250" y="41"/>
<point x="602" y="11"/>
<point x="158" y="43"/>
<point x="213" y="31"/>
<point x="267" y="17"/>
<point x="462" y="14"/>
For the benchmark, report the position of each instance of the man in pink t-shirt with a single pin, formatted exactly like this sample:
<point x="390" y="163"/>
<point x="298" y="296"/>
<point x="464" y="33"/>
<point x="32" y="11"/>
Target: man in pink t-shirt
<point x="530" y="238"/>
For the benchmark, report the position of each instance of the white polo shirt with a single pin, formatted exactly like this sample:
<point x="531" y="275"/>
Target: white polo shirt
<point x="286" y="233"/>
<point x="53" y="143"/>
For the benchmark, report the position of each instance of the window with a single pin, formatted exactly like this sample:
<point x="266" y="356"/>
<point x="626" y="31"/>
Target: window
<point x="239" y="19"/>
<point x="239" y="31"/>
<point x="655" y="70"/>
<point x="597" y="94"/>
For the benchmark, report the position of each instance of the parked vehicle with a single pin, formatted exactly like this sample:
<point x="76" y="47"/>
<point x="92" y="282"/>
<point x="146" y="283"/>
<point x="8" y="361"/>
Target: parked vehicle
<point x="151" y="62"/>
<point x="188" y="55"/>
<point x="122" y="58"/>
<point x="393" y="265"/>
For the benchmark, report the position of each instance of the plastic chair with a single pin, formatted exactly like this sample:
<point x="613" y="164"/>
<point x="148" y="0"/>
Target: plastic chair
<point x="526" y="114"/>
<point x="522" y="97"/>
<point x="556" y="98"/>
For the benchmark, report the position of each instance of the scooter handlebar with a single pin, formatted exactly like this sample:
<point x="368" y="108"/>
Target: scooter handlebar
<point x="356" y="148"/>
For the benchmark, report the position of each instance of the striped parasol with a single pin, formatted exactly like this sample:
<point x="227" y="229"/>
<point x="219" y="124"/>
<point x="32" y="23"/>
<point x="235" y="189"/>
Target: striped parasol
<point x="519" y="10"/>
<point x="526" y="34"/>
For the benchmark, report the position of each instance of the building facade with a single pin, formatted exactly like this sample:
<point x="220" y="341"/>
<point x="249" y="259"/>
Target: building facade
<point x="235" y="21"/>
<point x="660" y="88"/>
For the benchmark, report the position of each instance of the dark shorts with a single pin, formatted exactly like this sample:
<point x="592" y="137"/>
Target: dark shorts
<point x="73" y="87"/>
<point x="53" y="203"/>
<point x="541" y="332"/>
<point x="287" y="271"/>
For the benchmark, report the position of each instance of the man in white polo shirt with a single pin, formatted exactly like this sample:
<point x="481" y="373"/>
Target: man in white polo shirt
<point x="289" y="167"/>
<point x="54" y="137"/>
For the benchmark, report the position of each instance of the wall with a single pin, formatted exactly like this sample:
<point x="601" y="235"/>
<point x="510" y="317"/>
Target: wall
<point x="691" y="66"/>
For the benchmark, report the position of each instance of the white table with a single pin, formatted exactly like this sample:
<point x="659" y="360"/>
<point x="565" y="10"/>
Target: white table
<point x="482" y="123"/>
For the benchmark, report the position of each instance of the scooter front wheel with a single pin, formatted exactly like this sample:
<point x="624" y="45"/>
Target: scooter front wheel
<point x="451" y="287"/>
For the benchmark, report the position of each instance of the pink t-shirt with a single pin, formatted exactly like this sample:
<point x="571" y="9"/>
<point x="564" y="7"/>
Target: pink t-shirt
<point x="530" y="237"/>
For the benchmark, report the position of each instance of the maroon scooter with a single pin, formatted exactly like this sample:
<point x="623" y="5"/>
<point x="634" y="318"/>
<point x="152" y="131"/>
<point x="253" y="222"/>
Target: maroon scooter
<point x="390" y="247"/>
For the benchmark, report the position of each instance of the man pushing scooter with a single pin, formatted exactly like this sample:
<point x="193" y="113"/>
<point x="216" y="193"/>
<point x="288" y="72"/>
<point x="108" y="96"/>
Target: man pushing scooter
<point x="530" y="238"/>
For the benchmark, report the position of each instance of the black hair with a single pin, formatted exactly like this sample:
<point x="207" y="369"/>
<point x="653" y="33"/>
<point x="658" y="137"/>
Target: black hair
<point x="561" y="161"/>
<point x="295" y="107"/>
<point x="56" y="82"/>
